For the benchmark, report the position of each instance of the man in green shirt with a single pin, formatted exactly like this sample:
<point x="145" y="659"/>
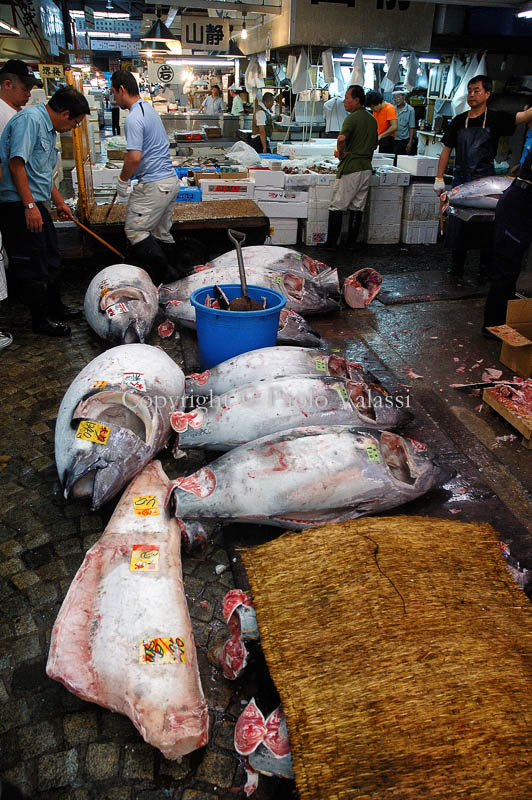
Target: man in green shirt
<point x="356" y="143"/>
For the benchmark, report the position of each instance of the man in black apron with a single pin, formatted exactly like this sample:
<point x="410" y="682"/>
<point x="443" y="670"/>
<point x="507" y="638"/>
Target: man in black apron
<point x="475" y="136"/>
<point x="513" y="235"/>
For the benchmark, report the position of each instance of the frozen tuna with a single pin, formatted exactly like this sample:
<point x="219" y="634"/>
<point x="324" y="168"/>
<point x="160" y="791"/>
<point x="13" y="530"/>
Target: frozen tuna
<point x="121" y="304"/>
<point x="306" y="477"/>
<point x="282" y="259"/>
<point x="481" y="193"/>
<point x="302" y="294"/>
<point x="123" y="637"/>
<point x="264" y="744"/>
<point x="114" y="419"/>
<point x="269" y="406"/>
<point x="362" y="287"/>
<point x="274" y="362"/>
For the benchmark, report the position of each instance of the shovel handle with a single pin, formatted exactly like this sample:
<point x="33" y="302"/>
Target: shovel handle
<point x="113" y="201"/>
<point x="238" y="238"/>
<point x="102" y="241"/>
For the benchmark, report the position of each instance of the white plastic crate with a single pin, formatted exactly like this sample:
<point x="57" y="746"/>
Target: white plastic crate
<point x="269" y="178"/>
<point x="420" y="203"/>
<point x="283" y="209"/>
<point x="283" y="231"/>
<point x="419" y="165"/>
<point x="419" y="232"/>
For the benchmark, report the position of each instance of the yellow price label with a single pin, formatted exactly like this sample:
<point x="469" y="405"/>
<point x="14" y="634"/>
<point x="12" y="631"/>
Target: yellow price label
<point x="321" y="365"/>
<point x="373" y="452"/>
<point x="98" y="384"/>
<point x="146" y="505"/>
<point x="342" y="391"/>
<point x="144" y="557"/>
<point x="91" y="431"/>
<point x="277" y="279"/>
<point x="162" y="651"/>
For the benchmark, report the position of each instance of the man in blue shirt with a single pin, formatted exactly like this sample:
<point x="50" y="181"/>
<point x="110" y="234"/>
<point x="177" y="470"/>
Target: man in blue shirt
<point x="28" y="155"/>
<point x="406" y="126"/>
<point x="151" y="203"/>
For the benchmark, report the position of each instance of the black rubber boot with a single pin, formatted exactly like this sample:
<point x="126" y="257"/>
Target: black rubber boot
<point x="149" y="255"/>
<point x="334" y="229"/>
<point x="176" y="271"/>
<point x="35" y="294"/>
<point x="355" y="222"/>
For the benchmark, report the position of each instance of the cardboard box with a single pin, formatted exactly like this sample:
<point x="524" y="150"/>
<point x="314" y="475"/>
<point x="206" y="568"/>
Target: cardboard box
<point x="516" y="336"/>
<point x="220" y="176"/>
<point x="116" y="155"/>
<point x="213" y="131"/>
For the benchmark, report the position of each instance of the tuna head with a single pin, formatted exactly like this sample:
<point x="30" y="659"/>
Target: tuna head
<point x="306" y="296"/>
<point x="131" y="313"/>
<point x="411" y="464"/>
<point x="118" y="434"/>
<point x="293" y="328"/>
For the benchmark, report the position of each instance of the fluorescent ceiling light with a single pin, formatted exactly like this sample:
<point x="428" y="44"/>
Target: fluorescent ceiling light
<point x="366" y="56"/>
<point x="204" y="62"/>
<point x="108" y="35"/>
<point x="6" y="26"/>
<point x="429" y="60"/>
<point x="527" y="14"/>
<point x="102" y="14"/>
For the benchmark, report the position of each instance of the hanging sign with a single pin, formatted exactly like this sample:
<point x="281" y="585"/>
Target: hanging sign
<point x="55" y="71"/>
<point x="205" y="33"/>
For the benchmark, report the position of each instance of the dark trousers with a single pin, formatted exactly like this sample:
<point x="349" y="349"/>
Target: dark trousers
<point x="115" y="120"/>
<point x="387" y="145"/>
<point x="257" y="144"/>
<point x="34" y="259"/>
<point x="400" y="148"/>
<point x="513" y="236"/>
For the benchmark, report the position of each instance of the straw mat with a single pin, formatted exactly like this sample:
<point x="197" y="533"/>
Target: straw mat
<point x="401" y="649"/>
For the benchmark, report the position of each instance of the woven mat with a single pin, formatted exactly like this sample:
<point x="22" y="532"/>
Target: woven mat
<point x="402" y="651"/>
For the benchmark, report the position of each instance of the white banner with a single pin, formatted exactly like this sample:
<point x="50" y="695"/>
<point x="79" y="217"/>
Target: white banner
<point x="204" y="33"/>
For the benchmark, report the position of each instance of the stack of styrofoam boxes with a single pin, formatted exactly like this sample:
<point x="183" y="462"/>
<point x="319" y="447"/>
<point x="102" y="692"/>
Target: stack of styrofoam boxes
<point x="220" y="189"/>
<point x="283" y="205"/>
<point x="319" y="200"/>
<point x="421" y="211"/>
<point x="382" y="216"/>
<point x="93" y="127"/>
<point x="390" y="176"/>
<point x="422" y="166"/>
<point x="312" y="149"/>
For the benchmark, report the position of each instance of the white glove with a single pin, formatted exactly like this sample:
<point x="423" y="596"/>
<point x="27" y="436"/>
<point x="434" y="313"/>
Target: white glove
<point x="439" y="186"/>
<point x="123" y="189"/>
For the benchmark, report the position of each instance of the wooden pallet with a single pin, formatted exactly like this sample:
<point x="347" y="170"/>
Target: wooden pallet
<point x="523" y="424"/>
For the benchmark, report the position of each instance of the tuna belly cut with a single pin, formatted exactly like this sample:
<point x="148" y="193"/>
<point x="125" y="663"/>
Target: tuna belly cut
<point x="123" y="639"/>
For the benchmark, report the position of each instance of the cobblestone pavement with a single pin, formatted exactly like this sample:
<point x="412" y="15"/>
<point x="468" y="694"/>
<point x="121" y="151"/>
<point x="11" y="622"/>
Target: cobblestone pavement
<point x="52" y="744"/>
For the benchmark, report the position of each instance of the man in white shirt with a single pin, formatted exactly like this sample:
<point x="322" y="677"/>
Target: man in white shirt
<point x="16" y="83"/>
<point x="213" y="103"/>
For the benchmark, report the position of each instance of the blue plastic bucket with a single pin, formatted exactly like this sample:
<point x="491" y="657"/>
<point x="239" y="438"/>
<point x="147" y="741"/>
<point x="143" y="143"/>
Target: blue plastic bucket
<point x="224" y="334"/>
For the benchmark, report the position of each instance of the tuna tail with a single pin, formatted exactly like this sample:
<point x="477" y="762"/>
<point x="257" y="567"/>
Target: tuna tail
<point x="136" y="331"/>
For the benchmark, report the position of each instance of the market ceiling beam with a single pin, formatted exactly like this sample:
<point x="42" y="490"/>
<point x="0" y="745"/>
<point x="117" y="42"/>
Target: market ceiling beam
<point x="475" y="3"/>
<point x="219" y="5"/>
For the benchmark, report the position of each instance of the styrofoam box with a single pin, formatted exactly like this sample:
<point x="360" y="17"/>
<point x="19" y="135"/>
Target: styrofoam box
<point x="381" y="160"/>
<point x="100" y="177"/>
<point x="413" y="232"/>
<point x="305" y="179"/>
<point x="269" y="178"/>
<point x="325" y="178"/>
<point x="390" y="176"/>
<point x="283" y="209"/>
<point x="320" y="147"/>
<point x="283" y="231"/>
<point x="320" y="192"/>
<point x="224" y="190"/>
<point x="420" y="204"/>
<point x="281" y="194"/>
<point x="313" y="234"/>
<point x="419" y="165"/>
<point x="383" y="233"/>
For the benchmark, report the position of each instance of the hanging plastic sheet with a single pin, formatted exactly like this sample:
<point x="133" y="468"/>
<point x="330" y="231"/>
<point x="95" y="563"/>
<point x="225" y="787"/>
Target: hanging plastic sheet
<point x="450" y="83"/>
<point x="422" y="81"/>
<point x="482" y="68"/>
<point x="263" y="64"/>
<point x="393" y="61"/>
<point x="328" y="66"/>
<point x="290" y="66"/>
<point x="253" y="79"/>
<point x="301" y="79"/>
<point x="357" y="74"/>
<point x="411" y="72"/>
<point x="459" y="101"/>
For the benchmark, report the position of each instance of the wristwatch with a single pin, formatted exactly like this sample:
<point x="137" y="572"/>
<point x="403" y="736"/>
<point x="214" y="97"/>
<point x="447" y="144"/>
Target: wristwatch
<point x="30" y="205"/>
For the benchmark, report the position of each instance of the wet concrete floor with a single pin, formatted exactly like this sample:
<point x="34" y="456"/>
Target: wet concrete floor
<point x="55" y="746"/>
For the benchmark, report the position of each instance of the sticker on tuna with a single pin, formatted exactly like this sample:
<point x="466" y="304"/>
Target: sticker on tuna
<point x="166" y="329"/>
<point x="342" y="391"/>
<point x="135" y="380"/>
<point x="98" y="384"/>
<point x="162" y="651"/>
<point x="146" y="506"/>
<point x="418" y="447"/>
<point x="200" y="378"/>
<point x="115" y="309"/>
<point x="321" y="364"/>
<point x="91" y="431"/>
<point x="181" y="420"/>
<point x="144" y="557"/>
<point x="201" y="483"/>
<point x="373" y="452"/>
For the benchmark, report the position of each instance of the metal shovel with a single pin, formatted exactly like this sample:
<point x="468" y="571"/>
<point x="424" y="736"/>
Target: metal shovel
<point x="244" y="303"/>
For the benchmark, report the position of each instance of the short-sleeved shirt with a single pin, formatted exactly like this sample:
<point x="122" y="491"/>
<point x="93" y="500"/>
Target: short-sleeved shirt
<point x="212" y="105"/>
<point x="145" y="132"/>
<point x="406" y="119"/>
<point x="360" y="131"/>
<point x="500" y="123"/>
<point x="29" y="135"/>
<point x="238" y="106"/>
<point x="384" y="117"/>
